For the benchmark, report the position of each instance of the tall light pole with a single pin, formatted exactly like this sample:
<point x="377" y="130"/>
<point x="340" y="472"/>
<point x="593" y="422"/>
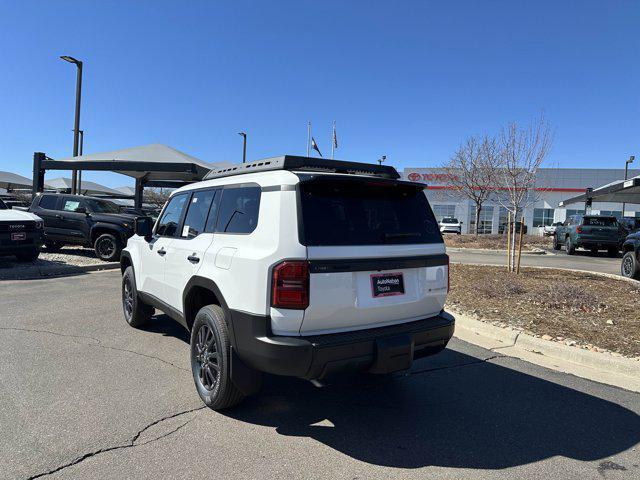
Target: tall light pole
<point x="244" y="146"/>
<point x="76" y="126"/>
<point x="626" y="173"/>
<point x="81" y="150"/>
<point x="382" y="159"/>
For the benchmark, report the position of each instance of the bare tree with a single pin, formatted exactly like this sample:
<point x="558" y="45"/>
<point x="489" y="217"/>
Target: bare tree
<point x="156" y="197"/>
<point x="472" y="172"/>
<point x="522" y="151"/>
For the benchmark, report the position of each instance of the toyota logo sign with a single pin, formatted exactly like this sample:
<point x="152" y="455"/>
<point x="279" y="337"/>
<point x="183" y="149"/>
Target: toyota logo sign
<point x="414" y="177"/>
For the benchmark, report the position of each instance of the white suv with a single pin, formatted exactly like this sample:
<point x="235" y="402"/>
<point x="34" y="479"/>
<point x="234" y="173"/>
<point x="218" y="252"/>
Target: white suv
<point x="293" y="266"/>
<point x="450" y="225"/>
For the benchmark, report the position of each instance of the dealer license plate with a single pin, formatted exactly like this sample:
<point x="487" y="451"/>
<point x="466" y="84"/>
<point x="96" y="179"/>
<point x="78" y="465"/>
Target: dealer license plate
<point x="387" y="284"/>
<point x="18" y="236"/>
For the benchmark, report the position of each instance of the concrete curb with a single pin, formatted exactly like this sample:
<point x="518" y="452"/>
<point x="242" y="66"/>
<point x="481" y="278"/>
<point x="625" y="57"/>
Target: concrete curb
<point x="574" y="270"/>
<point x="36" y="272"/>
<point x="536" y="251"/>
<point x="599" y="366"/>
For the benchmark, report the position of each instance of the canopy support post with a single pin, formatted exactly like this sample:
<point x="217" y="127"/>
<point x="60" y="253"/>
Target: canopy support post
<point x="137" y="197"/>
<point x="38" y="173"/>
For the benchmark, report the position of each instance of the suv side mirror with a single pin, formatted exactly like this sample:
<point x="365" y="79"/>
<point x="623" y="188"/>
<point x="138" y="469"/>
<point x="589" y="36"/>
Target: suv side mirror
<point x="144" y="227"/>
<point x="81" y="210"/>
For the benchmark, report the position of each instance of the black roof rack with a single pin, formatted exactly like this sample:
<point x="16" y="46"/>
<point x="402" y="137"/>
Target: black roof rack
<point x="291" y="162"/>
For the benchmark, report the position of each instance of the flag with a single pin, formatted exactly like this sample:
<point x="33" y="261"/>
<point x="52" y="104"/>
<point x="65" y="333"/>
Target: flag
<point x="335" y="136"/>
<point x="314" y="145"/>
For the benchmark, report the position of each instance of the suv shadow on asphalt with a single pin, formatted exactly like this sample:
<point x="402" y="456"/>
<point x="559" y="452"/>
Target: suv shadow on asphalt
<point x="452" y="410"/>
<point x="457" y="411"/>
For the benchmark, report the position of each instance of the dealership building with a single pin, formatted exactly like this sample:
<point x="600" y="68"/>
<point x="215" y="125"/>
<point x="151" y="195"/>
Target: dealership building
<point x="553" y="185"/>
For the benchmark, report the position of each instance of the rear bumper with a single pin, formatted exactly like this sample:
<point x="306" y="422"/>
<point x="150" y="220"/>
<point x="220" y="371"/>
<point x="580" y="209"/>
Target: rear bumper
<point x="33" y="241"/>
<point x="377" y="350"/>
<point x="597" y="243"/>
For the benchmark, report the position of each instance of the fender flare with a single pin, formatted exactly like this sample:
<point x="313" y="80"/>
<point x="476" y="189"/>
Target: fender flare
<point x="113" y="228"/>
<point x="126" y="255"/>
<point x="198" y="281"/>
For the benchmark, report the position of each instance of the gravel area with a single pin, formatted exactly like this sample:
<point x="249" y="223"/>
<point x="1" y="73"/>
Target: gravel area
<point x="496" y="242"/>
<point x="576" y="308"/>
<point x="68" y="259"/>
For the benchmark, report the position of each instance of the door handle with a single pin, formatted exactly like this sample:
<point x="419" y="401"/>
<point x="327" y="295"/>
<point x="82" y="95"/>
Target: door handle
<point x="59" y="217"/>
<point x="193" y="259"/>
<point x="162" y="252"/>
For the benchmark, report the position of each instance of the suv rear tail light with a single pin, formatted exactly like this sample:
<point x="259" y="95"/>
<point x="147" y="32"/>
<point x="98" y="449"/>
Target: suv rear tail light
<point x="290" y="285"/>
<point x="578" y="229"/>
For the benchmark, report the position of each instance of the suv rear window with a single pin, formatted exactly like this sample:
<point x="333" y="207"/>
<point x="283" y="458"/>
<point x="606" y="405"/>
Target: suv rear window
<point x="365" y="212"/>
<point x="601" y="221"/>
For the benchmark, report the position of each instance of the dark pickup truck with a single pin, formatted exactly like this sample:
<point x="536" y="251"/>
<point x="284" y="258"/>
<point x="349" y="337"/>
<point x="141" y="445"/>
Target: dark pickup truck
<point x="591" y="232"/>
<point x="81" y="220"/>
<point x="630" y="267"/>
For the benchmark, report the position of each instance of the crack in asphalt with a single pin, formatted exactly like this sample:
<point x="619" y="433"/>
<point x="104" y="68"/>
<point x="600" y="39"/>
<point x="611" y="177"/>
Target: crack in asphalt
<point x="98" y="344"/>
<point x="131" y="444"/>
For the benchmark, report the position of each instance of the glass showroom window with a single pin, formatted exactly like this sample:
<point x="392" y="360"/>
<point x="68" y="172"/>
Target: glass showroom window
<point x="444" y="211"/>
<point x="542" y="217"/>
<point x="612" y="213"/>
<point x="486" y="219"/>
<point x="571" y="212"/>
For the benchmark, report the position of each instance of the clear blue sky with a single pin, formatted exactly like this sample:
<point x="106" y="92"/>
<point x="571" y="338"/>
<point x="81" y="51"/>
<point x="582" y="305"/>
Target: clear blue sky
<point x="409" y="79"/>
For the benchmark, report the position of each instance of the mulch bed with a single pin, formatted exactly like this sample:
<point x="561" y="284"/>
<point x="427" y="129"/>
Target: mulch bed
<point x="497" y="242"/>
<point x="576" y="308"/>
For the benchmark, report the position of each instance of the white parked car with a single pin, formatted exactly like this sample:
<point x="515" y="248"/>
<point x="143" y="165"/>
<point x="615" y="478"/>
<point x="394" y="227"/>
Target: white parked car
<point x="20" y="233"/>
<point x="293" y="266"/>
<point x="450" y="225"/>
<point x="549" y="230"/>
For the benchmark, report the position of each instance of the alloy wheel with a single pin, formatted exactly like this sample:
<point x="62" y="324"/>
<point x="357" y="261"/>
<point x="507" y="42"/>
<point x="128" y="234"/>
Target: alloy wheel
<point x="127" y="298"/>
<point x="106" y="248"/>
<point x="627" y="266"/>
<point x="208" y="366"/>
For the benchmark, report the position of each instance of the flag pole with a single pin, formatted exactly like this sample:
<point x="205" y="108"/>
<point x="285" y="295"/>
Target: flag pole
<point x="308" y="139"/>
<point x="333" y="139"/>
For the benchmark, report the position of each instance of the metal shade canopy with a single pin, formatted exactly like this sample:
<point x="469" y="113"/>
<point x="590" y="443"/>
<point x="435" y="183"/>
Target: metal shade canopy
<point x="620" y="191"/>
<point x="155" y="162"/>
<point x="10" y="181"/>
<point x="86" y="188"/>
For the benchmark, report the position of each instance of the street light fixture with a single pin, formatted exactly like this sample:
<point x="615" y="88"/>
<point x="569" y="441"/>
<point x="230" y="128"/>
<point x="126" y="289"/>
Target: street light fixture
<point x="76" y="127"/>
<point x="244" y="146"/>
<point x="383" y="159"/>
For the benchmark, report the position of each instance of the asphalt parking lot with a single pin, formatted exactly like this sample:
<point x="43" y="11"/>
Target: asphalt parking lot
<point x="83" y="395"/>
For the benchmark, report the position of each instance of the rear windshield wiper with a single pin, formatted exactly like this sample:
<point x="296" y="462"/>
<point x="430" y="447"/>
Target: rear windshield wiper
<point x="390" y="236"/>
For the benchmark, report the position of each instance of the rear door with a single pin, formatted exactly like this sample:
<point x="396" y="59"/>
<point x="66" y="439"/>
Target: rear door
<point x="376" y="255"/>
<point x="47" y="209"/>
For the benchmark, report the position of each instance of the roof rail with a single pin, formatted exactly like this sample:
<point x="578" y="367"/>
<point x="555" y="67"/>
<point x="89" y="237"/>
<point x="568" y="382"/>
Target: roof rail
<point x="308" y="164"/>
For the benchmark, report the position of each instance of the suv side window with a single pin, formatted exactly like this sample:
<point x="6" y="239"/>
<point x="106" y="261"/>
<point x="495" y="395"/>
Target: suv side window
<point x="170" y="220"/>
<point x="48" y="202"/>
<point x="239" y="209"/>
<point x="201" y="206"/>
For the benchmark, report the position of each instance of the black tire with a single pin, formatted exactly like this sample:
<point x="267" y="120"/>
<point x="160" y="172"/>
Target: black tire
<point x="569" y="247"/>
<point x="53" y="247"/>
<point x="612" y="252"/>
<point x="210" y="359"/>
<point x="28" y="256"/>
<point x="556" y="244"/>
<point x="136" y="312"/>
<point x="107" y="247"/>
<point x="630" y="267"/>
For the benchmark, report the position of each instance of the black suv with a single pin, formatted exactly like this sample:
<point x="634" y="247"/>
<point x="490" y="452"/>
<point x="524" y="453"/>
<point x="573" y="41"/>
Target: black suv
<point x="80" y="220"/>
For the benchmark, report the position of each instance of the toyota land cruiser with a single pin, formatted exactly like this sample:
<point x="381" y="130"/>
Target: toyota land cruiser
<point x="293" y="266"/>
